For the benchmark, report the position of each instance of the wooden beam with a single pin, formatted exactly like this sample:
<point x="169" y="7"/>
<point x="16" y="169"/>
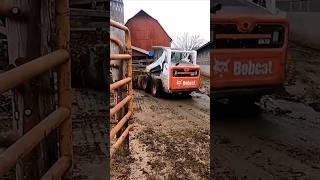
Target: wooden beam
<point x="33" y="100"/>
<point x="85" y="29"/>
<point x="30" y="140"/>
<point x="88" y="13"/>
<point x="3" y="30"/>
<point x="80" y="2"/>
<point x="24" y="43"/>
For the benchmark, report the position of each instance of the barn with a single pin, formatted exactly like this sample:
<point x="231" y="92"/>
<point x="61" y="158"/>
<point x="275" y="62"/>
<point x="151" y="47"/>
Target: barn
<point x="145" y="33"/>
<point x="203" y="54"/>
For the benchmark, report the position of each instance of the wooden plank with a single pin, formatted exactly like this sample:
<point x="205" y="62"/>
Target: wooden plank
<point x="33" y="100"/>
<point x="88" y="13"/>
<point x="31" y="139"/>
<point x="80" y="2"/>
<point x="85" y="29"/>
<point x="24" y="45"/>
<point x="47" y="94"/>
<point x="3" y="30"/>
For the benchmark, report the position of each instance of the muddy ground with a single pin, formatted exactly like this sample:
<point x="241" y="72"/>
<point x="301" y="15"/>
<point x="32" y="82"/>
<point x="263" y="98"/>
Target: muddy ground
<point x="89" y="117"/>
<point x="170" y="139"/>
<point x="278" y="138"/>
<point x="5" y="127"/>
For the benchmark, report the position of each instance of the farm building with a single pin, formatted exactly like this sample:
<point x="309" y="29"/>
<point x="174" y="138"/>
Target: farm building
<point x="293" y="5"/>
<point x="203" y="54"/>
<point x="145" y="33"/>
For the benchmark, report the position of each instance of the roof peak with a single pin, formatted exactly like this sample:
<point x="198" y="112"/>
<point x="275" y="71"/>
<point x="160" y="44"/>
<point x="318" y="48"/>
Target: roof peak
<point x="142" y="12"/>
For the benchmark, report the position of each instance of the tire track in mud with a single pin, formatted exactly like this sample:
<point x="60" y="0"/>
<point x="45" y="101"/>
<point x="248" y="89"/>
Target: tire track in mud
<point x="170" y="139"/>
<point x="274" y="148"/>
<point x="89" y="134"/>
<point x="271" y="158"/>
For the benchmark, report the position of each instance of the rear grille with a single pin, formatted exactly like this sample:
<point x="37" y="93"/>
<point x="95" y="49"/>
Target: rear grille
<point x="185" y="73"/>
<point x="261" y="36"/>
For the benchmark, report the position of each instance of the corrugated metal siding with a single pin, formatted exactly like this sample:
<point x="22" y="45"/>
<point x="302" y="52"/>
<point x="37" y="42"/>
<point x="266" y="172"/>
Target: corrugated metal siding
<point x="240" y="6"/>
<point x="203" y="56"/>
<point x="147" y="32"/>
<point x="299" y="5"/>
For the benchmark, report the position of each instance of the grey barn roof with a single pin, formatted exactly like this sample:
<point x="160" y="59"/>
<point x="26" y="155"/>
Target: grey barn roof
<point x="240" y="6"/>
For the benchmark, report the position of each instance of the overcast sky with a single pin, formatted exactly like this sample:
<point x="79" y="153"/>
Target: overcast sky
<point x="175" y="16"/>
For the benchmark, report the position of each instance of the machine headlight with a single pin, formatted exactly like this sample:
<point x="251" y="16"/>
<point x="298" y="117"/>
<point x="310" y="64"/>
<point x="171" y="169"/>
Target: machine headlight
<point x="275" y="36"/>
<point x="195" y="73"/>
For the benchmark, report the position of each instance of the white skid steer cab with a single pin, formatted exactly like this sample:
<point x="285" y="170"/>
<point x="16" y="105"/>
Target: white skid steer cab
<point x="173" y="71"/>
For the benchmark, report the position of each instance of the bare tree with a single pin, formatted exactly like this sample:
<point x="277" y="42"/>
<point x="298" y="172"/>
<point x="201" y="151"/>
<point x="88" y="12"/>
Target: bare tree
<point x="188" y="42"/>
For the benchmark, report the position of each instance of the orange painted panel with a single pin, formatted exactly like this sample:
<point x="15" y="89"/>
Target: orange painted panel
<point x="184" y="83"/>
<point x="248" y="67"/>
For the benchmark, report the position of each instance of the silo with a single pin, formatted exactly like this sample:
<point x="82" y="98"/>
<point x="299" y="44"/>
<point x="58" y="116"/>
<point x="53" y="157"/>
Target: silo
<point x="116" y="10"/>
<point x="116" y="14"/>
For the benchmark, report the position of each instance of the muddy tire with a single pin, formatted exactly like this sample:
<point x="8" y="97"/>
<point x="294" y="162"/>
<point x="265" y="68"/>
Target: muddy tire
<point x="186" y="94"/>
<point x="245" y="101"/>
<point x="156" y="88"/>
<point x="134" y="82"/>
<point x="139" y="82"/>
<point x="146" y="83"/>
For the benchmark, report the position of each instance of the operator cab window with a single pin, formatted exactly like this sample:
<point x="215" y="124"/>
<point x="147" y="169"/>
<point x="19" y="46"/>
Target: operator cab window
<point x="157" y="54"/>
<point x="177" y="57"/>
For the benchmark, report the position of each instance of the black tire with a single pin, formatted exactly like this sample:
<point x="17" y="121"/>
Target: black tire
<point x="134" y="82"/>
<point x="245" y="101"/>
<point x="186" y="94"/>
<point x="139" y="82"/>
<point x="156" y="88"/>
<point x="146" y="84"/>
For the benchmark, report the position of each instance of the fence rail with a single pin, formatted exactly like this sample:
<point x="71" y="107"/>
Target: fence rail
<point x="31" y="139"/>
<point x="25" y="72"/>
<point x="126" y="81"/>
<point x="60" y="118"/>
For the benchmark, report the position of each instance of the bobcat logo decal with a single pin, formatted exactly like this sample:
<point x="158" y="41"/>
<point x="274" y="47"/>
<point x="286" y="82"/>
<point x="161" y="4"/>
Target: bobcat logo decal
<point x="221" y="67"/>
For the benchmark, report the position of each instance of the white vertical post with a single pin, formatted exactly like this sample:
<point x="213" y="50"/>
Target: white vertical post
<point x="271" y="6"/>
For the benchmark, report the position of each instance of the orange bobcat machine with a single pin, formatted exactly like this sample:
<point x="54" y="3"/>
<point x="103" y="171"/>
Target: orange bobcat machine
<point x="250" y="51"/>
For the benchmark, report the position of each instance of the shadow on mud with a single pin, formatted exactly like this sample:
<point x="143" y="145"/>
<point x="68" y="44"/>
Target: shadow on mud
<point x="224" y="113"/>
<point x="175" y="96"/>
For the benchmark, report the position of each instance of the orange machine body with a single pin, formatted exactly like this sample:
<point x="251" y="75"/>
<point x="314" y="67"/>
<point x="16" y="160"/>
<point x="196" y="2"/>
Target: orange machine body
<point x="244" y="56"/>
<point x="186" y="78"/>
